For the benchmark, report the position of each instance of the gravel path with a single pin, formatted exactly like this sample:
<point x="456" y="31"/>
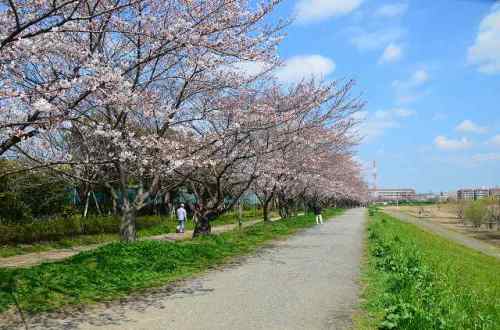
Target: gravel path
<point x="449" y="234"/>
<point x="308" y="281"/>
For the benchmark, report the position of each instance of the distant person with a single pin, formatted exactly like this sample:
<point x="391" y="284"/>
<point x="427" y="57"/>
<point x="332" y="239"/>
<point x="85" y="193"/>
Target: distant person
<point x="181" y="217"/>
<point x="317" y="212"/>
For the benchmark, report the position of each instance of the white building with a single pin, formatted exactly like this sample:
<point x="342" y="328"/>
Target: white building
<point x="389" y="195"/>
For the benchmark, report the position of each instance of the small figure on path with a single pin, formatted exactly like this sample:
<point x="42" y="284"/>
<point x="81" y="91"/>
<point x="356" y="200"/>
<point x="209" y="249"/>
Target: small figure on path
<point x="181" y="217"/>
<point x="317" y="212"/>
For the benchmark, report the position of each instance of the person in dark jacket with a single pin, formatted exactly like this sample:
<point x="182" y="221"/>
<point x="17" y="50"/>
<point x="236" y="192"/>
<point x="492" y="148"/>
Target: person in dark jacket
<point x="317" y="212"/>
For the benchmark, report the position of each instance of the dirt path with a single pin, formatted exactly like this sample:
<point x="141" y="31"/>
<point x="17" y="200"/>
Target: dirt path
<point x="32" y="259"/>
<point x="449" y="234"/>
<point x="308" y="281"/>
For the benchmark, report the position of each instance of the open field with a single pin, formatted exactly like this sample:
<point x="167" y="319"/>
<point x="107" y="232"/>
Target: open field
<point x="444" y="215"/>
<point x="418" y="280"/>
<point x="118" y="269"/>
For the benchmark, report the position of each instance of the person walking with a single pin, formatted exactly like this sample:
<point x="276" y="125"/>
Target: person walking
<point x="317" y="212"/>
<point x="181" y="217"/>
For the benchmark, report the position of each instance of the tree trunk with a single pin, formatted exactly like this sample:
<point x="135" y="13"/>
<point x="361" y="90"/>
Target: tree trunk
<point x="265" y="210"/>
<point x="202" y="226"/>
<point x="128" y="231"/>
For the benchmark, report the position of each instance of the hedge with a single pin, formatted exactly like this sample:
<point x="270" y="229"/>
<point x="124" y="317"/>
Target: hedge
<point x="61" y="228"/>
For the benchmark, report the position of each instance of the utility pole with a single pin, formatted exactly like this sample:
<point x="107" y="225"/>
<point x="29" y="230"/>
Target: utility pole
<point x="375" y="175"/>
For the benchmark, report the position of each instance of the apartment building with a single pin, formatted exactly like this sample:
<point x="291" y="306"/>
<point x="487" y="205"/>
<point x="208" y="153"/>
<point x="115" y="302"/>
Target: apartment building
<point x="475" y="194"/>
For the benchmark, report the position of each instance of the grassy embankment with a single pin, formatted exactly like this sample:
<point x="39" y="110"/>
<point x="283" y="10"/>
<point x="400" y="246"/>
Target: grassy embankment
<point x="106" y="228"/>
<point x="417" y="280"/>
<point x="118" y="269"/>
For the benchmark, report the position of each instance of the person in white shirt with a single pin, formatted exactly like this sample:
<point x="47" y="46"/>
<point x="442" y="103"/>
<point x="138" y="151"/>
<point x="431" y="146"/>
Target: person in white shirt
<point x="181" y="217"/>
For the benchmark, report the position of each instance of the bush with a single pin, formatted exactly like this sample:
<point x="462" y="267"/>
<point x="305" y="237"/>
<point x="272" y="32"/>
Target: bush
<point x="62" y="228"/>
<point x="12" y="209"/>
<point x="27" y="195"/>
<point x="475" y="213"/>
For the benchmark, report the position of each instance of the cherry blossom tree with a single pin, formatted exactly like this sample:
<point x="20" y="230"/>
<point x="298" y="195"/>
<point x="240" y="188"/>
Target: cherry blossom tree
<point x="127" y="85"/>
<point x="149" y="94"/>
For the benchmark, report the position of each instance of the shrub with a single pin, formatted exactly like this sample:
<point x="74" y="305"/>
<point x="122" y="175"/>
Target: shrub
<point x="12" y="209"/>
<point x="60" y="228"/>
<point x="26" y="195"/>
<point x="475" y="213"/>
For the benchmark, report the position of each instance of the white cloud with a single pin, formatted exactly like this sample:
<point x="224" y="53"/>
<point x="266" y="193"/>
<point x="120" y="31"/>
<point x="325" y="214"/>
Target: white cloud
<point x="392" y="10"/>
<point x="392" y="53"/>
<point x="409" y="90"/>
<point x="375" y="125"/>
<point x="308" y="11"/>
<point x="485" y="52"/>
<point x="248" y="68"/>
<point x="418" y="78"/>
<point x="486" y="157"/>
<point x="305" y="67"/>
<point x="444" y="143"/>
<point x="468" y="126"/>
<point x="374" y="39"/>
<point x="495" y="140"/>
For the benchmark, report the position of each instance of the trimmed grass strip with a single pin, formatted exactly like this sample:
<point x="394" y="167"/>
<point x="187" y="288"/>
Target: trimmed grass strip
<point x="147" y="226"/>
<point x="118" y="269"/>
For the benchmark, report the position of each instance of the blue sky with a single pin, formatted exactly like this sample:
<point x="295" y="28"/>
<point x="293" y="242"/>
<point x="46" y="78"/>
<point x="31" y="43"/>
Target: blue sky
<point x="429" y="72"/>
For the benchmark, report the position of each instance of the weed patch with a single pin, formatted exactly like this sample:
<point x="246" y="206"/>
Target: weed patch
<point x="417" y="280"/>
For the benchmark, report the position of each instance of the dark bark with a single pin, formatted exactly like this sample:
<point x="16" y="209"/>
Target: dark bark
<point x="265" y="209"/>
<point x="128" y="232"/>
<point x="203" y="226"/>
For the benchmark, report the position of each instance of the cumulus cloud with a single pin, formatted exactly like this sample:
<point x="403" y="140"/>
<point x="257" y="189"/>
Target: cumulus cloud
<point x="308" y="11"/>
<point x="374" y="39"/>
<point x="375" y="125"/>
<point x="418" y="78"/>
<point x="445" y="143"/>
<point x="467" y="126"/>
<point x="392" y="53"/>
<point x="410" y="89"/>
<point x="249" y="68"/>
<point x="293" y="69"/>
<point x="392" y="10"/>
<point x="305" y="67"/>
<point x="485" y="52"/>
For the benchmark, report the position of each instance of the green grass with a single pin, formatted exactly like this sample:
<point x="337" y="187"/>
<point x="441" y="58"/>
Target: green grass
<point x="118" y="269"/>
<point x="417" y="280"/>
<point x="166" y="225"/>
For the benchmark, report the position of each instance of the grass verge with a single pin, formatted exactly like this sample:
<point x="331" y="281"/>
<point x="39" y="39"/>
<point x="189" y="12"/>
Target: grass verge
<point x="414" y="279"/>
<point x="118" y="269"/>
<point x="163" y="226"/>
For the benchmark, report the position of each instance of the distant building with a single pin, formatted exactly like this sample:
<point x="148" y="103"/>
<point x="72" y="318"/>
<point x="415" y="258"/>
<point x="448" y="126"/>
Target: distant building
<point x="443" y="197"/>
<point x="429" y="197"/>
<point x="389" y="195"/>
<point x="495" y="192"/>
<point x="476" y="194"/>
<point x="465" y="195"/>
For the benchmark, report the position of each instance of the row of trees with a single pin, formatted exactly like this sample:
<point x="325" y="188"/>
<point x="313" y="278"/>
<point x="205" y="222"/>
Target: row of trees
<point x="155" y="94"/>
